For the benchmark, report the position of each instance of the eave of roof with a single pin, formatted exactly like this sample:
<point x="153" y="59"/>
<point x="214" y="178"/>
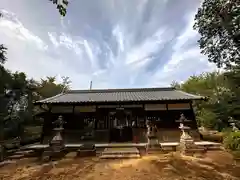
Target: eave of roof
<point x="120" y="95"/>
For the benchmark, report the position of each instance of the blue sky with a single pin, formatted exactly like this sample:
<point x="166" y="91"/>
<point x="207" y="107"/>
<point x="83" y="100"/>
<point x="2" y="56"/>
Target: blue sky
<point x="114" y="43"/>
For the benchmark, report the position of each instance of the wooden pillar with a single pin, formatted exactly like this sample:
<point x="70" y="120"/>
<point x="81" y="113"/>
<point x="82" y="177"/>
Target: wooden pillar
<point x="97" y="118"/>
<point x="43" y="131"/>
<point x="108" y="121"/>
<point x="73" y="113"/>
<point x="73" y="110"/>
<point x="144" y="114"/>
<point x="45" y="125"/>
<point x="165" y="124"/>
<point x="194" y="122"/>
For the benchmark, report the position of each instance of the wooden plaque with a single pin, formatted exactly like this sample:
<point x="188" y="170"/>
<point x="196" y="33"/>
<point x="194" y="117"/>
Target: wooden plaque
<point x="155" y="107"/>
<point x="179" y="106"/>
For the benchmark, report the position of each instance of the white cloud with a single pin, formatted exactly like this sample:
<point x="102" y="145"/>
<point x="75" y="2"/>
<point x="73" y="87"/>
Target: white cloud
<point x="66" y="41"/>
<point x="183" y="62"/>
<point x="119" y="44"/>
<point x="90" y="54"/>
<point x="118" y="33"/>
<point x="53" y="39"/>
<point x="29" y="53"/>
<point x="189" y="32"/>
<point x="12" y="27"/>
<point x="149" y="46"/>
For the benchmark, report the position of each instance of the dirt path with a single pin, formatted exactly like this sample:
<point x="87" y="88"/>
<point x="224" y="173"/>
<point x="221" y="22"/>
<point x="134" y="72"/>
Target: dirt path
<point x="161" y="167"/>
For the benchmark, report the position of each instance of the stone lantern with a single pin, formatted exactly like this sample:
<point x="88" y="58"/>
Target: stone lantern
<point x="56" y="145"/>
<point x="186" y="141"/>
<point x="153" y="143"/>
<point x="232" y="122"/>
<point x="57" y="142"/>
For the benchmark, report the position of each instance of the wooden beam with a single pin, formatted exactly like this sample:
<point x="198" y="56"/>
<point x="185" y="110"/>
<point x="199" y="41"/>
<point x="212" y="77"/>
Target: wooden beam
<point x="73" y="109"/>
<point x="41" y="107"/>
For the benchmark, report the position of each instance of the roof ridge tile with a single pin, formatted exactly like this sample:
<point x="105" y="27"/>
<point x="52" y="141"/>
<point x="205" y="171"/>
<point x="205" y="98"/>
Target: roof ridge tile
<point x="121" y="90"/>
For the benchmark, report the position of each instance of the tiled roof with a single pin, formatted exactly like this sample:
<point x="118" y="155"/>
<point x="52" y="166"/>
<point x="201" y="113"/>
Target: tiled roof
<point x="121" y="95"/>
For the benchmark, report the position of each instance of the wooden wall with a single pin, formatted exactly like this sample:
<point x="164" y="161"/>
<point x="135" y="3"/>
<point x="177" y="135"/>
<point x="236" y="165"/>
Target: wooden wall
<point x="77" y="117"/>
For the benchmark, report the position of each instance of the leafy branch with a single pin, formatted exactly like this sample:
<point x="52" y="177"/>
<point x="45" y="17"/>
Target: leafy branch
<point x="61" y="6"/>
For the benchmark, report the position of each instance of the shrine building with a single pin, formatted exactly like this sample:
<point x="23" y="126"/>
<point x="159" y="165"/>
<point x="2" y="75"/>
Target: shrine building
<point x="118" y="115"/>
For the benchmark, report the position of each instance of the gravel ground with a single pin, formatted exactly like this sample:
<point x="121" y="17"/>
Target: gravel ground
<point x="212" y="166"/>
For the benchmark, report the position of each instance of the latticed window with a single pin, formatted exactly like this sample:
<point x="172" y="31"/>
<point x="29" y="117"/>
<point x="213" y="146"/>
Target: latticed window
<point x="89" y="121"/>
<point x="102" y="123"/>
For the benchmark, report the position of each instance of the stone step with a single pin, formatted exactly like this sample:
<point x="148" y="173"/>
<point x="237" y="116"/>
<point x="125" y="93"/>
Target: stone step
<point x="24" y="152"/>
<point x="7" y="162"/>
<point x="213" y="146"/>
<point x="86" y="153"/>
<point x="71" y="155"/>
<point x="121" y="150"/>
<point x="119" y="153"/>
<point x="154" y="150"/>
<point x="111" y="153"/>
<point x="21" y="154"/>
<point x="119" y="156"/>
<point x="15" y="156"/>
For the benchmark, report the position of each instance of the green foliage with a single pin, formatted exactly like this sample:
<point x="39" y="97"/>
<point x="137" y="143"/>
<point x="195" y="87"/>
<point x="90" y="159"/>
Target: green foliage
<point x="13" y="125"/>
<point x="217" y="21"/>
<point x="233" y="77"/>
<point x="223" y="99"/>
<point x="61" y="6"/>
<point x="232" y="141"/>
<point x="48" y="87"/>
<point x="175" y="85"/>
<point x="227" y="130"/>
<point x="3" y="51"/>
<point x="207" y="118"/>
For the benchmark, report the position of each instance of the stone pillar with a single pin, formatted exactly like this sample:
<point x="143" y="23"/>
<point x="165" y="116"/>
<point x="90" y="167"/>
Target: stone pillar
<point x="56" y="145"/>
<point x="57" y="142"/>
<point x="234" y="127"/>
<point x="232" y="122"/>
<point x="153" y="144"/>
<point x="186" y="144"/>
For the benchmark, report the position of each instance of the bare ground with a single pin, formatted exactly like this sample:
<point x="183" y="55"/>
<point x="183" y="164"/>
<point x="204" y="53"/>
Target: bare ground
<point x="213" y="166"/>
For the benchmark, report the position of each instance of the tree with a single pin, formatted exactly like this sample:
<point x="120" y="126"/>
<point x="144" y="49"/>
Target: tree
<point x="21" y="108"/>
<point x="3" y="51"/>
<point x="207" y="118"/>
<point x="61" y="6"/>
<point x="216" y="86"/>
<point x="66" y="83"/>
<point x="48" y="87"/>
<point x="218" y="23"/>
<point x="175" y="85"/>
<point x="233" y="77"/>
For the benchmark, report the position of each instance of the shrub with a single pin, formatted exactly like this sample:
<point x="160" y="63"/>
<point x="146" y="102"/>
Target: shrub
<point x="232" y="141"/>
<point x="207" y="119"/>
<point x="227" y="130"/>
